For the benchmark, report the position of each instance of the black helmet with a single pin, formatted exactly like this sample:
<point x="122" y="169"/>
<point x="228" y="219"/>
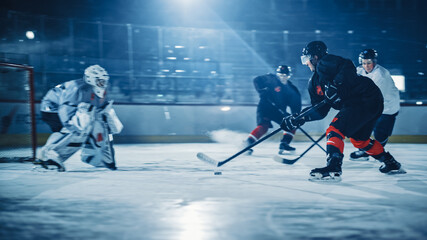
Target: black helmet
<point x="317" y="48"/>
<point x="283" y="69"/>
<point x="368" y="54"/>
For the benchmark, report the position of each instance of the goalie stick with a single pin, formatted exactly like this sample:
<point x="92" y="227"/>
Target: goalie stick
<point x="292" y="161"/>
<point x="205" y="158"/>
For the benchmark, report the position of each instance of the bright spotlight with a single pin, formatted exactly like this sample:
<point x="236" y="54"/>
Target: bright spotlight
<point x="30" y="34"/>
<point x="225" y="108"/>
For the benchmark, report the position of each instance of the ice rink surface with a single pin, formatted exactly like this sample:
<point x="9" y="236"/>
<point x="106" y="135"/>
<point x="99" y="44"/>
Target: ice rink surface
<point x="162" y="191"/>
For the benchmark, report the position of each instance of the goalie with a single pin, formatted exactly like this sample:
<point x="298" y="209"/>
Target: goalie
<point x="88" y="121"/>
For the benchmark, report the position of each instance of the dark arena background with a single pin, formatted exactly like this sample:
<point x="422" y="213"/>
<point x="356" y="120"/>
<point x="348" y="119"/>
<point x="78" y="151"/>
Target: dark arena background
<point x="181" y="77"/>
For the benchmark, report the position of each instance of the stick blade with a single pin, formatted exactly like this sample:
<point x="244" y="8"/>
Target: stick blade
<point x="283" y="160"/>
<point x="205" y="158"/>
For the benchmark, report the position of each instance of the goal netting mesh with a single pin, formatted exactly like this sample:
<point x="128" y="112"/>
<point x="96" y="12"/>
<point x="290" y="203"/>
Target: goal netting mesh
<point x="17" y="129"/>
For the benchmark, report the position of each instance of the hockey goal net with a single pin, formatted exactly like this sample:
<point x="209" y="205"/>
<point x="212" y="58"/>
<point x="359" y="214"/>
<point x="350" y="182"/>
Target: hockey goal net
<point x="18" y="129"/>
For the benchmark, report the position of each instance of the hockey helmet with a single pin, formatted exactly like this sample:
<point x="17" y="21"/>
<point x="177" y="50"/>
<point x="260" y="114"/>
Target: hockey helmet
<point x="313" y="48"/>
<point x="368" y="54"/>
<point x="98" y="77"/>
<point x="283" y="72"/>
<point x="283" y="69"/>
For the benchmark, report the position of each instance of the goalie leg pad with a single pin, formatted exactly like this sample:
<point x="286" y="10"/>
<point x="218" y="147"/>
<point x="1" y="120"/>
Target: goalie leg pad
<point x="98" y="150"/>
<point x="59" y="147"/>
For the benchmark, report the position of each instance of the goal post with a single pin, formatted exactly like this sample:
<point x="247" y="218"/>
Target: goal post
<point x="18" y="137"/>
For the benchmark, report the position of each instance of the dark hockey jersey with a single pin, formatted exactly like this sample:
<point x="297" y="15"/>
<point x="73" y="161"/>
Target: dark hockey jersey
<point x="341" y="73"/>
<point x="272" y="90"/>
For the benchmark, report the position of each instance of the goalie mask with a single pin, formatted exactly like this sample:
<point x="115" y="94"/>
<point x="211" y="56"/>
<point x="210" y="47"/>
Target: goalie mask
<point x="98" y="77"/>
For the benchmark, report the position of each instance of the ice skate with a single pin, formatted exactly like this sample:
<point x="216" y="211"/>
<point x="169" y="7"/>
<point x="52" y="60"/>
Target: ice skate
<point x="359" y="156"/>
<point x="246" y="143"/>
<point x="285" y="149"/>
<point x="49" y="165"/>
<point x="331" y="173"/>
<point x="390" y="165"/>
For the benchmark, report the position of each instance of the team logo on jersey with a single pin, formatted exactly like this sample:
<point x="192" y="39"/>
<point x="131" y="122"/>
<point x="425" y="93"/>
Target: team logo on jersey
<point x="278" y="89"/>
<point x="319" y="90"/>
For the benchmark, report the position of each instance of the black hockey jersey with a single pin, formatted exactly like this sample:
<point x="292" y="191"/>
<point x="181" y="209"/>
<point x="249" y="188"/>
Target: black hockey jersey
<point x="272" y="90"/>
<point x="341" y="73"/>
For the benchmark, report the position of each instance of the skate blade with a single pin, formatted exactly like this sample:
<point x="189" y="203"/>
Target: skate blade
<point x="317" y="177"/>
<point x="50" y="165"/>
<point x="361" y="159"/>
<point x="49" y="168"/>
<point x="399" y="171"/>
<point x="286" y="152"/>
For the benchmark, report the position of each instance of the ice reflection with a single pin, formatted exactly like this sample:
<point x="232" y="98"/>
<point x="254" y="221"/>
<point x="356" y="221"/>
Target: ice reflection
<point x="195" y="220"/>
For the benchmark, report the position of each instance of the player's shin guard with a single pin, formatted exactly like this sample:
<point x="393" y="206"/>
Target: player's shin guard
<point x="257" y="133"/>
<point x="370" y="146"/>
<point x="334" y="148"/>
<point x="335" y="140"/>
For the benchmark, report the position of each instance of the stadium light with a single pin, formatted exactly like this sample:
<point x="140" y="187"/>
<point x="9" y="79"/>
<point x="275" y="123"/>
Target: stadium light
<point x="30" y="34"/>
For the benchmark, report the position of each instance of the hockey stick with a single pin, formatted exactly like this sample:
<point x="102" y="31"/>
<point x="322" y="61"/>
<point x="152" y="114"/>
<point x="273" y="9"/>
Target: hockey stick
<point x="314" y="141"/>
<point x="302" y="130"/>
<point x="205" y="158"/>
<point x="292" y="161"/>
<point x="110" y="165"/>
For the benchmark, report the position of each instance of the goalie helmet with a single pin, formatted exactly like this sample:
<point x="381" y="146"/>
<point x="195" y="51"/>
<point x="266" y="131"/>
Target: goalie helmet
<point x="317" y="48"/>
<point x="368" y="54"/>
<point x="98" y="77"/>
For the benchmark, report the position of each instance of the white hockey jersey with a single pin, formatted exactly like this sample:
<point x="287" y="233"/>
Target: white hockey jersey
<point x="383" y="80"/>
<point x="65" y="97"/>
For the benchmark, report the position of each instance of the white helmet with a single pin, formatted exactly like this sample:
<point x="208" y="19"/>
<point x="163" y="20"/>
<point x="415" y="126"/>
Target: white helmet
<point x="98" y="77"/>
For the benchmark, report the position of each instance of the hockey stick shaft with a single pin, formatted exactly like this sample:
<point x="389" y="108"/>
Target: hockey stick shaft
<point x="249" y="147"/>
<point x="315" y="142"/>
<point x="303" y="114"/>
<point x="302" y="130"/>
<point x="292" y="161"/>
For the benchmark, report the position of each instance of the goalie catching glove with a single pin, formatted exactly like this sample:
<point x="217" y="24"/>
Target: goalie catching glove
<point x="291" y="122"/>
<point x="84" y="117"/>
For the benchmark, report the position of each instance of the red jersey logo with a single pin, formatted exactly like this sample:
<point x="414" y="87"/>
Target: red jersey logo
<point x="319" y="90"/>
<point x="278" y="89"/>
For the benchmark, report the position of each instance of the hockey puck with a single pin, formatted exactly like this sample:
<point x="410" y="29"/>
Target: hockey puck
<point x="217" y="173"/>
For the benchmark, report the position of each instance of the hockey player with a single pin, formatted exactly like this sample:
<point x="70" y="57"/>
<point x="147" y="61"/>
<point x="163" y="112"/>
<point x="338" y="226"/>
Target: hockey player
<point x="276" y="93"/>
<point x="382" y="78"/>
<point x="88" y="118"/>
<point x="359" y="102"/>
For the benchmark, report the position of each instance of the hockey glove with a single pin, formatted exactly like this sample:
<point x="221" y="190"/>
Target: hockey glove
<point x="291" y="122"/>
<point x="331" y="94"/>
<point x="83" y="117"/>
